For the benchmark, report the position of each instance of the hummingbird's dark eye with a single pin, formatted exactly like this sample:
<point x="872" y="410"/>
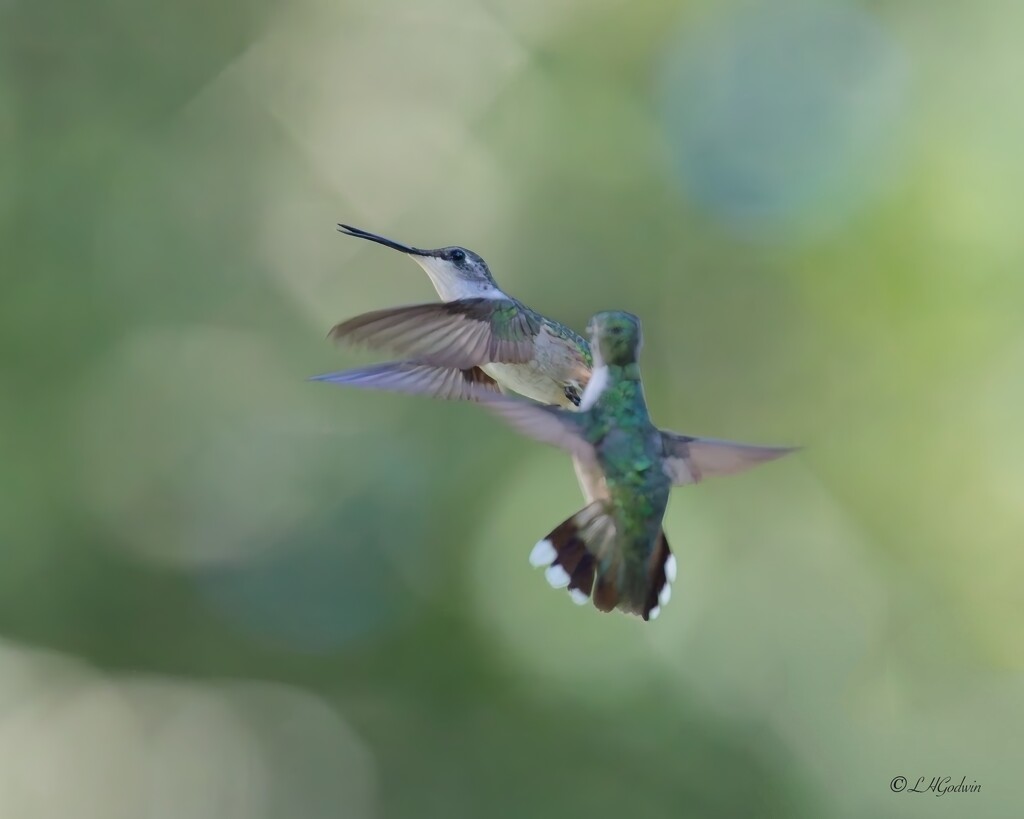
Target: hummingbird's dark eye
<point x="458" y="256"/>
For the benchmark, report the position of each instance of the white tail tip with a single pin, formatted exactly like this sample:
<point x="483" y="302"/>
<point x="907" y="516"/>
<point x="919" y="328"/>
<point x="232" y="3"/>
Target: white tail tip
<point x="670" y="569"/>
<point x="543" y="554"/>
<point x="557" y="577"/>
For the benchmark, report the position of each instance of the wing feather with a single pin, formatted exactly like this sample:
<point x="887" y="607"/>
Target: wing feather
<point x="544" y="423"/>
<point x="415" y="378"/>
<point x="690" y="459"/>
<point x="459" y="334"/>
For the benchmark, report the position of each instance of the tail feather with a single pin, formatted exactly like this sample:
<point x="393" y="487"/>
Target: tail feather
<point x="606" y="593"/>
<point x="582" y="583"/>
<point x="571" y="551"/>
<point x="662" y="570"/>
<point x="580" y="555"/>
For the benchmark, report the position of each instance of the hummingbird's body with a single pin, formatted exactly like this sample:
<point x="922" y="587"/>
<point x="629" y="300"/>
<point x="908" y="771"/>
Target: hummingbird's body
<point x="553" y="375"/>
<point x="628" y="452"/>
<point x="614" y="549"/>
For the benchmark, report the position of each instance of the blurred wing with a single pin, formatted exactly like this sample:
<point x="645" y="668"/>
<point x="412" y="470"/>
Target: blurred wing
<point x="459" y="334"/>
<point x="544" y="423"/>
<point x="414" y="378"/>
<point x="690" y="460"/>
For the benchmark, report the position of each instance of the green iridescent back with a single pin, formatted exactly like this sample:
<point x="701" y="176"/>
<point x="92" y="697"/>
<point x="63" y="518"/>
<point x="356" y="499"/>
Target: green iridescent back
<point x="629" y="450"/>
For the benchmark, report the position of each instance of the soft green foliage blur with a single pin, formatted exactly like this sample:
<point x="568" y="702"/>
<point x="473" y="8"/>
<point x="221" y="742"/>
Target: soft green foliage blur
<point x="226" y="592"/>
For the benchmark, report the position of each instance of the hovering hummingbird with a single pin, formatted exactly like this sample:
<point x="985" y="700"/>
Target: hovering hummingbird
<point x="476" y="336"/>
<point x="479" y="339"/>
<point x="614" y="549"/>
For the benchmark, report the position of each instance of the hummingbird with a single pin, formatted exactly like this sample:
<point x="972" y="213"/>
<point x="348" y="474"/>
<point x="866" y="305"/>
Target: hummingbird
<point x="613" y="550"/>
<point x="477" y="335"/>
<point x="479" y="339"/>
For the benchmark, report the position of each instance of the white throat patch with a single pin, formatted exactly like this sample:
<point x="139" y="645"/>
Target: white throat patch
<point x="595" y="387"/>
<point x="450" y="286"/>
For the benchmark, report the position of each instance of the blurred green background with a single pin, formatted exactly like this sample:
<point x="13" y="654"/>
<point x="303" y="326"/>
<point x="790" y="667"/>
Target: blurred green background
<point x="226" y="592"/>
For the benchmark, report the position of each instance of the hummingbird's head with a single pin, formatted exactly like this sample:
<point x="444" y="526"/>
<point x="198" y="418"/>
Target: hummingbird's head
<point x="616" y="338"/>
<point x="455" y="272"/>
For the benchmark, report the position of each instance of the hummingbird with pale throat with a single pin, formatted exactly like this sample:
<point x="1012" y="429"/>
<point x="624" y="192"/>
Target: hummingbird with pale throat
<point x="477" y="337"/>
<point x="613" y="551"/>
<point x="480" y="340"/>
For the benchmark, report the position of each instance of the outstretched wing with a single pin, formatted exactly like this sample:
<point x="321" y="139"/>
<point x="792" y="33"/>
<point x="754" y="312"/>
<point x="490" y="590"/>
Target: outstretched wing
<point x="414" y="378"/>
<point x="459" y="334"/>
<point x="542" y="422"/>
<point x="691" y="460"/>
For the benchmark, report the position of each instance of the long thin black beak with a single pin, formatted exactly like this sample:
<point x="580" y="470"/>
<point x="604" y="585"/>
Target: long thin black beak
<point x="373" y="237"/>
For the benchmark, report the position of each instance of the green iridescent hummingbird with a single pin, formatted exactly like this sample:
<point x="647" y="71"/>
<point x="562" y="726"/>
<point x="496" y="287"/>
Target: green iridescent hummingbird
<point x="613" y="550"/>
<point x="480" y="340"/>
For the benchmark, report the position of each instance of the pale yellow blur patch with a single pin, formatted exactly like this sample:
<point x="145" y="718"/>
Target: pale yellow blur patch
<point x="986" y="507"/>
<point x="779" y="607"/>
<point x="338" y="81"/>
<point x="74" y="742"/>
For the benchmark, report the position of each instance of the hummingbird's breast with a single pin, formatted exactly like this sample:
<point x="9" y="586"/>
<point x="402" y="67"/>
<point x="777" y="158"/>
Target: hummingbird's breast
<point x="557" y="371"/>
<point x="530" y="380"/>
